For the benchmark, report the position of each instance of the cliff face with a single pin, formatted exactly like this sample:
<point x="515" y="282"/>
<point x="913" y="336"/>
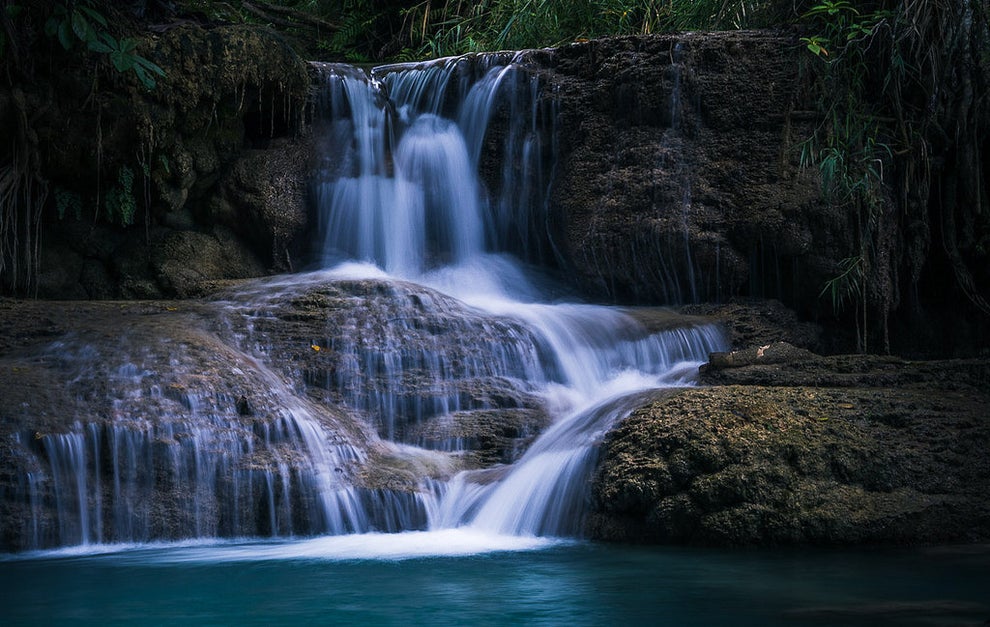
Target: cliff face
<point x="675" y="177"/>
<point x="678" y="177"/>
<point x="675" y="174"/>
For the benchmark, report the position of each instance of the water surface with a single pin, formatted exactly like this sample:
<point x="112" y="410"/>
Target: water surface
<point x="467" y="578"/>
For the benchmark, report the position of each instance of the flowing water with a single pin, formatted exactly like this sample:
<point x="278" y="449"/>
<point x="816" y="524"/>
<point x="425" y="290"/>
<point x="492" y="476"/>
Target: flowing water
<point x="431" y="313"/>
<point x="431" y="194"/>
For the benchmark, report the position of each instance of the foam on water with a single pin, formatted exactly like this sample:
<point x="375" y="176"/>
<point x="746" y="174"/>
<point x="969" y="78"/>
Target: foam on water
<point x="459" y="542"/>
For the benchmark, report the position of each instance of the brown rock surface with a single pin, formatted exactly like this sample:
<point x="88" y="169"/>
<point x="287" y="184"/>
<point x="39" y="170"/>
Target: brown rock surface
<point x="799" y="449"/>
<point x="678" y="178"/>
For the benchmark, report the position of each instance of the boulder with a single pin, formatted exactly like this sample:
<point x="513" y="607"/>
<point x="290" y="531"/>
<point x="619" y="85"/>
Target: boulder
<point x="833" y="452"/>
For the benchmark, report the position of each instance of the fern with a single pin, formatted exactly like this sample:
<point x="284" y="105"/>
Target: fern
<point x="357" y="25"/>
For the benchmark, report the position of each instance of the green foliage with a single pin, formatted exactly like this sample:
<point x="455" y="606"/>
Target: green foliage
<point x="848" y="285"/>
<point x="120" y="203"/>
<point x="80" y="22"/>
<point x="364" y="30"/>
<point x="74" y="22"/>
<point x="459" y="27"/>
<point x="850" y="147"/>
<point x="397" y="31"/>
<point x="358" y="21"/>
<point x="841" y="24"/>
<point x="124" y="56"/>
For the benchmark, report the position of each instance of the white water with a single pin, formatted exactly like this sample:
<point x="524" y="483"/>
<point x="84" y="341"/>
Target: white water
<point x="401" y="205"/>
<point x="440" y="230"/>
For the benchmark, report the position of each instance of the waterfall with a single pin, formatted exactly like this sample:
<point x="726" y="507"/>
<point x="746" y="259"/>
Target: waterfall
<point x="454" y="231"/>
<point x="406" y="385"/>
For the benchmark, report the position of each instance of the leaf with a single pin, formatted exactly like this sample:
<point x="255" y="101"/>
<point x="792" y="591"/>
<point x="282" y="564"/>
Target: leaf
<point x="98" y="46"/>
<point x="128" y="45"/>
<point x="51" y="27"/>
<point x="816" y="45"/>
<point x="81" y="27"/>
<point x="148" y="65"/>
<point x="65" y="34"/>
<point x="122" y="62"/>
<point x="143" y="76"/>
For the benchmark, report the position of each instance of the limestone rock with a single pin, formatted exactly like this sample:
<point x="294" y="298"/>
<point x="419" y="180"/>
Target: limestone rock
<point x="804" y="464"/>
<point x="677" y="179"/>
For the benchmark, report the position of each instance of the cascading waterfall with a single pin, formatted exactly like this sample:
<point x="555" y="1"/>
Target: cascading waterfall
<point x="175" y="461"/>
<point x="591" y="358"/>
<point x="430" y="318"/>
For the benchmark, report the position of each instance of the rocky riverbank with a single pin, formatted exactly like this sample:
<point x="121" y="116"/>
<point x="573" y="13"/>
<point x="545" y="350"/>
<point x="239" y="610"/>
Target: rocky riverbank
<point x="787" y="447"/>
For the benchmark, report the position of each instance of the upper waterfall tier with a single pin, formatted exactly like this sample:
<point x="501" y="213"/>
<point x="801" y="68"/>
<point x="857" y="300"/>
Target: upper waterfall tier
<point x="403" y="182"/>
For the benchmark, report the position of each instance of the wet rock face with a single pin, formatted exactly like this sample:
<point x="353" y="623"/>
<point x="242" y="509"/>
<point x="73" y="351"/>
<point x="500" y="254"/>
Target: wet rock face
<point x="242" y="415"/>
<point x="420" y="366"/>
<point x="115" y="418"/>
<point x="803" y="449"/>
<point x="678" y="177"/>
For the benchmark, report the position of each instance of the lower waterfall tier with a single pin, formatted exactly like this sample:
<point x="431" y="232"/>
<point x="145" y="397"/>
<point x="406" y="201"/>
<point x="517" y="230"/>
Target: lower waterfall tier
<point x="302" y="405"/>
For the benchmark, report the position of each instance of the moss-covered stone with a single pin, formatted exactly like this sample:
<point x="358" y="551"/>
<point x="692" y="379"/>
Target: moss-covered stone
<point x="764" y="464"/>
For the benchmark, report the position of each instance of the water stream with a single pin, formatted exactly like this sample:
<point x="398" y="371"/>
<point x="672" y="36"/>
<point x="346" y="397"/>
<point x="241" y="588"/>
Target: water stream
<point x="431" y="194"/>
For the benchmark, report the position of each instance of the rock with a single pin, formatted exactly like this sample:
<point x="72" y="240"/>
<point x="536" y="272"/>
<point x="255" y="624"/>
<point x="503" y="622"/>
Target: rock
<point x="199" y="399"/>
<point x="264" y="199"/>
<point x="755" y="322"/>
<point x="185" y="263"/>
<point x="677" y="180"/>
<point x="773" y="353"/>
<point x="490" y="436"/>
<point x="170" y="156"/>
<point x="760" y="464"/>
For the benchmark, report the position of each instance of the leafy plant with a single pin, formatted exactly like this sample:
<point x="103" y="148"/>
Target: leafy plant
<point x="124" y="56"/>
<point x="849" y="149"/>
<point x="66" y="201"/>
<point x="80" y="22"/>
<point x="847" y="286"/>
<point x="454" y="27"/>
<point x="71" y="23"/>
